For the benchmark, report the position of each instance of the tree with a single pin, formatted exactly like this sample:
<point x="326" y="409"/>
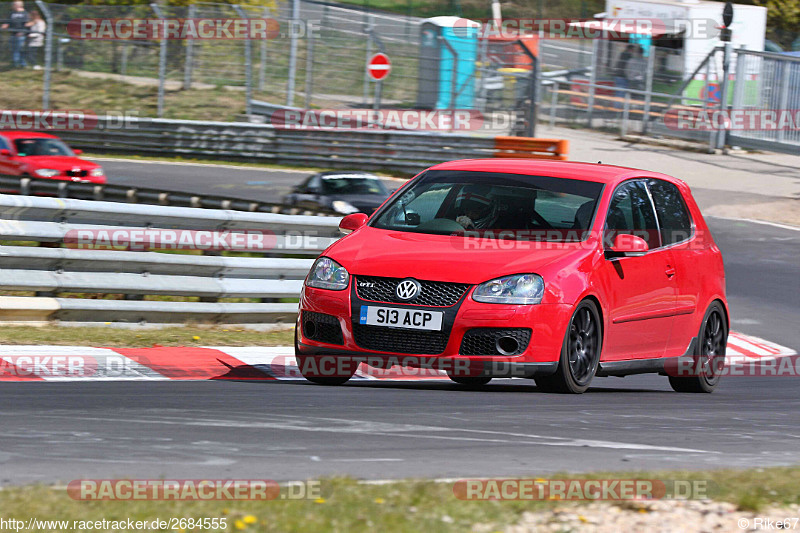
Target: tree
<point x="783" y="20"/>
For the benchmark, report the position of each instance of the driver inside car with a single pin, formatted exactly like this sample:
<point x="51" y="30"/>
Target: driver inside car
<point x="478" y="208"/>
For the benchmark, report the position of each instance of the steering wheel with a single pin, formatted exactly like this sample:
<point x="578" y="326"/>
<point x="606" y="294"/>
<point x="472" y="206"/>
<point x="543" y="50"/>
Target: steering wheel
<point x="540" y="221"/>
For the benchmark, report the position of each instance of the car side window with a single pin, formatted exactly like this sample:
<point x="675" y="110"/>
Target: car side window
<point x="673" y="216"/>
<point x="313" y="185"/>
<point x="631" y="213"/>
<point x="4" y="144"/>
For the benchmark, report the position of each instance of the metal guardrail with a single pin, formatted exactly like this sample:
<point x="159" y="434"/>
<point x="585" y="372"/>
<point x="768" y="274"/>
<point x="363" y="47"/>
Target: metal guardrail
<point x="29" y="186"/>
<point x="404" y="151"/>
<point x="51" y="269"/>
<point x="367" y="150"/>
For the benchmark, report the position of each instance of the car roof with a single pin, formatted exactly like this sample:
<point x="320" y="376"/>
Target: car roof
<point x="597" y="172"/>
<point x="358" y="173"/>
<point x="13" y="134"/>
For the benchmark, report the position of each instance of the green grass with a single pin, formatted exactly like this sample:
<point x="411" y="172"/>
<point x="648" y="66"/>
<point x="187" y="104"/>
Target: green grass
<point x="22" y="89"/>
<point x="189" y="335"/>
<point x="346" y="505"/>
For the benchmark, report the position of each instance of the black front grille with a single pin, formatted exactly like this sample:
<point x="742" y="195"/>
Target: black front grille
<point x="77" y="173"/>
<point x="432" y="293"/>
<point x="483" y="341"/>
<point x="322" y="328"/>
<point x="400" y="340"/>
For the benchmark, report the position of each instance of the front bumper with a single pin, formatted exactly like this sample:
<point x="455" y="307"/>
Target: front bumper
<point x="547" y="324"/>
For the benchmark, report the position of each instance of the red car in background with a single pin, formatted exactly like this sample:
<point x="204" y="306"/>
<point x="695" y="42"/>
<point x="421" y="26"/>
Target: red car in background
<point x="41" y="155"/>
<point x="555" y="271"/>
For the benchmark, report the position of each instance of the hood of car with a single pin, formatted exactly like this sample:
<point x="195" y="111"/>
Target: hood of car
<point x="398" y="254"/>
<point x="56" y="162"/>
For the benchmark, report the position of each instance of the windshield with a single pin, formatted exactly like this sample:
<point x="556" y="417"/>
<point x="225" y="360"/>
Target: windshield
<point x="352" y="185"/>
<point x="494" y="205"/>
<point x="26" y="147"/>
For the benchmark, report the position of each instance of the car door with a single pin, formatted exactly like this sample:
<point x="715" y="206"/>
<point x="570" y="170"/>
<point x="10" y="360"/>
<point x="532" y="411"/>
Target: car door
<point x="677" y="234"/>
<point x="308" y="195"/>
<point x="639" y="291"/>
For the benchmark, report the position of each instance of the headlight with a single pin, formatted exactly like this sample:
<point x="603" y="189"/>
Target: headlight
<point x="328" y="274"/>
<point x="523" y="289"/>
<point x="96" y="172"/>
<point x="346" y="208"/>
<point x="46" y="172"/>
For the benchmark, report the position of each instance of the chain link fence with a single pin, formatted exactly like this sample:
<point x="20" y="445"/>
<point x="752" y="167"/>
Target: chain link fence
<point x="317" y="57"/>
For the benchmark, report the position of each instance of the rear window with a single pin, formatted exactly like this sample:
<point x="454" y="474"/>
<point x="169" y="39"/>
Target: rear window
<point x="495" y="204"/>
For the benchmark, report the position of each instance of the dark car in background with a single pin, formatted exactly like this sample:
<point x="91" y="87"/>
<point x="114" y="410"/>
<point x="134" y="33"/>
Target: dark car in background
<point x="342" y="191"/>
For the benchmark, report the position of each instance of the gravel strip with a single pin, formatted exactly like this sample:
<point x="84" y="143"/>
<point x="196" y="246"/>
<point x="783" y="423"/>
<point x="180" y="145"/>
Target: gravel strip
<point x="653" y="517"/>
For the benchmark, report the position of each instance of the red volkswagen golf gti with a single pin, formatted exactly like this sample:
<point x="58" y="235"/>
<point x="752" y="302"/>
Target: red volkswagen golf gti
<point x="555" y="271"/>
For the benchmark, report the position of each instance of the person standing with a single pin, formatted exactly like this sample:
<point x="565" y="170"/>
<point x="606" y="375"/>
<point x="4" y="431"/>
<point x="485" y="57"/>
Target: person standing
<point x="36" y="39"/>
<point x="637" y="69"/>
<point x="18" y="22"/>
<point x="621" y="69"/>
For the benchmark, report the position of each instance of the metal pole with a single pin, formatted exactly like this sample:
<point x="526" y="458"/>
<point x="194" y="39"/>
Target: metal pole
<point x="187" y="60"/>
<point x="648" y="87"/>
<point x="453" y="72"/>
<point x="309" y="68"/>
<point x="533" y="92"/>
<point x="376" y="100"/>
<point x="723" y="103"/>
<point x="554" y="102"/>
<point x="786" y="75"/>
<point x="162" y="62"/>
<point x="623" y="130"/>
<point x="739" y="78"/>
<point x="262" y="65"/>
<point x="124" y="67"/>
<point x="295" y="20"/>
<point x="48" y="52"/>
<point x="368" y="56"/>
<point x="248" y="66"/>
<point x="592" y="80"/>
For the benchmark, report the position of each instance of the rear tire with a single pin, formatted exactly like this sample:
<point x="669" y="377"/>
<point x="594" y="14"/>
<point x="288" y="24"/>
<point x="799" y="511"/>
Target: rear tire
<point x="709" y="355"/>
<point x="580" y="353"/>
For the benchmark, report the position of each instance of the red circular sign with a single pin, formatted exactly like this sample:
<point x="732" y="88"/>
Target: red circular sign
<point x="379" y="66"/>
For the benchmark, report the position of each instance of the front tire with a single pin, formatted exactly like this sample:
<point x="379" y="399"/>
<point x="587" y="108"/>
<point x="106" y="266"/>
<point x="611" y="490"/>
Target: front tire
<point x="310" y="367"/>
<point x="580" y="353"/>
<point x="710" y="354"/>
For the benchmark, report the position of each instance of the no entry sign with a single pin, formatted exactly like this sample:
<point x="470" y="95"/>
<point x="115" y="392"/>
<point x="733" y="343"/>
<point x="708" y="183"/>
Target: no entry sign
<point x="378" y="66"/>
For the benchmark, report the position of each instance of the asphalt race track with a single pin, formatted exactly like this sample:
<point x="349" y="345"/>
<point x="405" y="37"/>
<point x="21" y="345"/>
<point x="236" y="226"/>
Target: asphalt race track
<point x="295" y="430"/>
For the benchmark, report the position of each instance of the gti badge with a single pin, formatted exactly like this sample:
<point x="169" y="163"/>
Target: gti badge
<point x="408" y="289"/>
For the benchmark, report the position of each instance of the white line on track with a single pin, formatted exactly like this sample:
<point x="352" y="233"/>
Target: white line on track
<point x="762" y="222"/>
<point x="387" y="429"/>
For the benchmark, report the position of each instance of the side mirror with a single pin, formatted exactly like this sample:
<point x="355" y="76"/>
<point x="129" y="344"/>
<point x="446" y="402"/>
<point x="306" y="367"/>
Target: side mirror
<point x="77" y="151"/>
<point x="350" y="223"/>
<point x="5" y="152"/>
<point x="627" y="245"/>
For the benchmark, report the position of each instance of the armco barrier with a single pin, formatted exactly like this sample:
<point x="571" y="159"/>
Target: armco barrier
<point x="29" y="186"/>
<point x="51" y="269"/>
<point x="403" y="151"/>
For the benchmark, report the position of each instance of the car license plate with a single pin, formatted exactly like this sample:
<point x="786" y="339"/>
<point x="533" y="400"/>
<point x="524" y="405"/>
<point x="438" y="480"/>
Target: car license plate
<point x="401" y="318"/>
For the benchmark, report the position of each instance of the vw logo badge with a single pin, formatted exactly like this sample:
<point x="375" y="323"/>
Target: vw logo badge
<point x="408" y="289"/>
